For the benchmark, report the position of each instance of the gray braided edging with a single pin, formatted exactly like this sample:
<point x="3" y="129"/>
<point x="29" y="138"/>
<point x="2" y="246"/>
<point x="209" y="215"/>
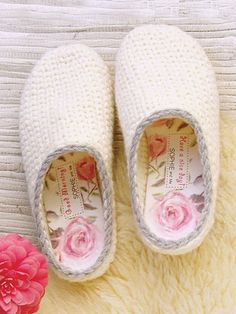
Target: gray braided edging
<point x="107" y="204"/>
<point x="149" y="236"/>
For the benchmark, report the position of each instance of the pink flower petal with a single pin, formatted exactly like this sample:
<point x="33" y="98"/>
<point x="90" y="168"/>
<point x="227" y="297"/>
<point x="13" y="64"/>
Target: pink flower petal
<point x="38" y="288"/>
<point x="8" y="255"/>
<point x="5" y="262"/>
<point x="28" y="269"/>
<point x="23" y="297"/>
<point x="23" y="275"/>
<point x="7" y="299"/>
<point x="42" y="277"/>
<point x="30" y="309"/>
<point x="79" y="239"/>
<point x="4" y="245"/>
<point x="85" y="168"/>
<point x="19" y="252"/>
<point x="30" y="265"/>
<point x="175" y="214"/>
<point x="10" y="308"/>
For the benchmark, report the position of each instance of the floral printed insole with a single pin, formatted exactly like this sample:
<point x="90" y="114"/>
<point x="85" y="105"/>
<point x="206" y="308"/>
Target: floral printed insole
<point x="73" y="208"/>
<point x="175" y="188"/>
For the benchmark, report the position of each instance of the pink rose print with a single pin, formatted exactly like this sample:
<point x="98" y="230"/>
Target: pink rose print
<point x="175" y="214"/>
<point x="79" y="239"/>
<point x="157" y="145"/>
<point x="23" y="275"/>
<point x="85" y="168"/>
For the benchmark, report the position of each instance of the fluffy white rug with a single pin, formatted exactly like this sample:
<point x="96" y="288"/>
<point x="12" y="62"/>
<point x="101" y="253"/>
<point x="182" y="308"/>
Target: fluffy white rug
<point x="142" y="282"/>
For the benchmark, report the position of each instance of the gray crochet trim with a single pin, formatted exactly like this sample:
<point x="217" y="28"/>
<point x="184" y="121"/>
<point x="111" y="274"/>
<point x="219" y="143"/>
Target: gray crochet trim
<point x="107" y="203"/>
<point x="149" y="236"/>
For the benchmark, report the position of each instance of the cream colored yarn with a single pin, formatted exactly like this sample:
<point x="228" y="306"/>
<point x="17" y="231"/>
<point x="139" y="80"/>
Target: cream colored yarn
<point x="67" y="105"/>
<point x="163" y="72"/>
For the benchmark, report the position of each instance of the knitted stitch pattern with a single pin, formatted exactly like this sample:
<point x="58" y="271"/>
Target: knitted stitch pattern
<point x="67" y="105"/>
<point x="163" y="72"/>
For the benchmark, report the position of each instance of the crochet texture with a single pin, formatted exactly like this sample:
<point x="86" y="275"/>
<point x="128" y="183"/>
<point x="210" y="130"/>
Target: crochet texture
<point x="163" y="72"/>
<point x="67" y="105"/>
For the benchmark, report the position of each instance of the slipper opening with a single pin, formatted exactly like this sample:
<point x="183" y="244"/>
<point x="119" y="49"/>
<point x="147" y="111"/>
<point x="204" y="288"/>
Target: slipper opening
<point x="170" y="178"/>
<point x="73" y="207"/>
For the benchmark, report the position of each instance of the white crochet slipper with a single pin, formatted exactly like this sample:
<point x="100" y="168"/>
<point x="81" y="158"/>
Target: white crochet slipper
<point x="66" y="131"/>
<point x="168" y="108"/>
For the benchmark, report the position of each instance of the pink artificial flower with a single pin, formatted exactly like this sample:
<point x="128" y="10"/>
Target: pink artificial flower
<point x="79" y="239"/>
<point x="175" y="212"/>
<point x="23" y="275"/>
<point x="85" y="168"/>
<point x="157" y="145"/>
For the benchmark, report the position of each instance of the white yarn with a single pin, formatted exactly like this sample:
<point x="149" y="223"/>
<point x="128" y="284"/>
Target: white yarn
<point x="68" y="104"/>
<point x="160" y="70"/>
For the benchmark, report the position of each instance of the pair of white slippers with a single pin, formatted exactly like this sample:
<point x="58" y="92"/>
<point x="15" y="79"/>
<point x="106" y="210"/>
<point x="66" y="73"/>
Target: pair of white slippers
<point x="168" y="108"/>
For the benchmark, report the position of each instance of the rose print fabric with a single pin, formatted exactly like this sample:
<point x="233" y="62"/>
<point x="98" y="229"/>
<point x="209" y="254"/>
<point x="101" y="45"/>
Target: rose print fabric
<point x="73" y="208"/>
<point x="157" y="145"/>
<point x="85" y="168"/>
<point x="175" y="189"/>
<point x="79" y="239"/>
<point x="174" y="215"/>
